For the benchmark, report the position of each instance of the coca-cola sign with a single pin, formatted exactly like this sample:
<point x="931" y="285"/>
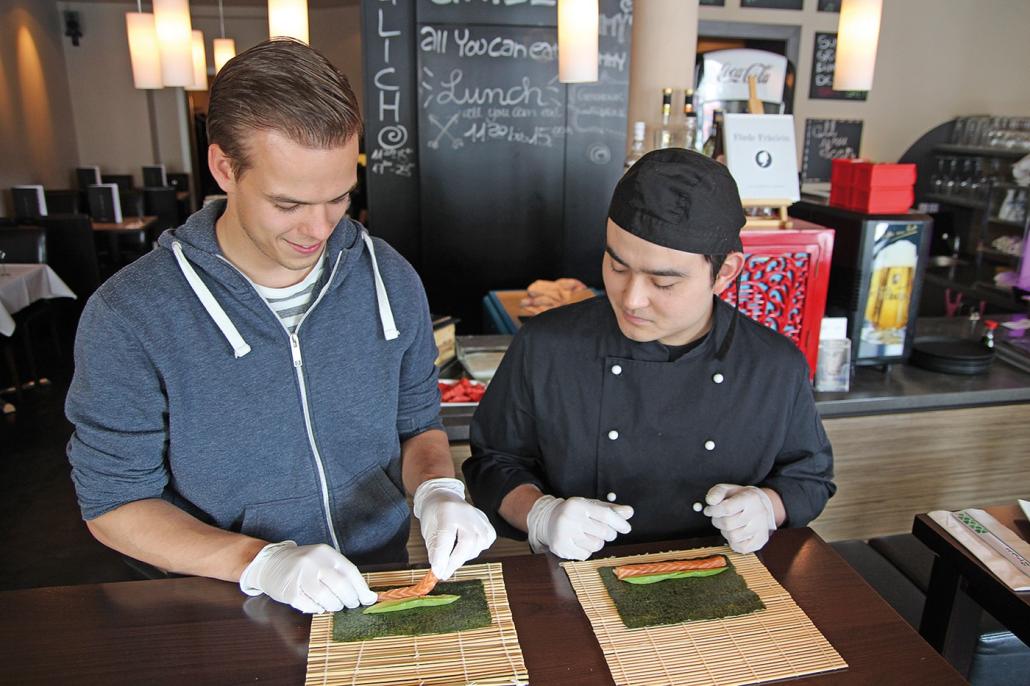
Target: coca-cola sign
<point x="726" y="72"/>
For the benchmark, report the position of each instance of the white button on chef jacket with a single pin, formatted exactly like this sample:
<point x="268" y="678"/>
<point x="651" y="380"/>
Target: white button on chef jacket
<point x="613" y="434"/>
<point x="718" y="378"/>
<point x="709" y="445"/>
<point x="611" y="497"/>
<point x="616" y="369"/>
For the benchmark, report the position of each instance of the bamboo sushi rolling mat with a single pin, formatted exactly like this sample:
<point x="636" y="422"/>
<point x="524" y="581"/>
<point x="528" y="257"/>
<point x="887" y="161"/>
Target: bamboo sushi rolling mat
<point x="485" y="657"/>
<point x="778" y="642"/>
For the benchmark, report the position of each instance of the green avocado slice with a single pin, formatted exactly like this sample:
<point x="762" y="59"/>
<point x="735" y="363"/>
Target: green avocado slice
<point x="655" y="578"/>
<point x="410" y="603"/>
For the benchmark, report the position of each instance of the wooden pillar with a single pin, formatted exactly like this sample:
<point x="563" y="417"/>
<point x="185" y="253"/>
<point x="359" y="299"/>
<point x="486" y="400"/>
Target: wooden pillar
<point x="662" y="56"/>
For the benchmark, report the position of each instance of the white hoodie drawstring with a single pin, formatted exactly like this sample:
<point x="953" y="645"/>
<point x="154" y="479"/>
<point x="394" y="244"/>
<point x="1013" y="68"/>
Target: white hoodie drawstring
<point x="221" y="319"/>
<point x="382" y="299"/>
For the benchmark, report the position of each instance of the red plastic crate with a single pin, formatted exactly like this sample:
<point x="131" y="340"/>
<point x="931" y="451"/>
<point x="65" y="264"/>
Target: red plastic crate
<point x="881" y="200"/>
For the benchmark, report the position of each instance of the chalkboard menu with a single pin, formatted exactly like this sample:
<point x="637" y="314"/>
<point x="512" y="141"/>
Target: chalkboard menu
<point x="824" y="60"/>
<point x="484" y="170"/>
<point x="827" y="140"/>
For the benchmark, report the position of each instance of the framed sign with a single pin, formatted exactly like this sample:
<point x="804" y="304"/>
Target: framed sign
<point x="829" y="5"/>
<point x="773" y="4"/>
<point x="762" y="157"/>
<point x="825" y="141"/>
<point x="824" y="59"/>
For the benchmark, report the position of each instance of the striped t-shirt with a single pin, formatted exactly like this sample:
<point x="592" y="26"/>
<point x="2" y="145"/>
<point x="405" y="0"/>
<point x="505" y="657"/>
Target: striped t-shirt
<point x="292" y="302"/>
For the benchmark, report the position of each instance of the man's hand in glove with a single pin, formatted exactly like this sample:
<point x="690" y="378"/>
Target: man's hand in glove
<point x="454" y="531"/>
<point x="311" y="578"/>
<point x="744" y="515"/>
<point x="577" y="527"/>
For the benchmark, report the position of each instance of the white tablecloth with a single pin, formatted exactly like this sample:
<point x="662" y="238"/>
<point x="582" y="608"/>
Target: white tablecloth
<point x="23" y="284"/>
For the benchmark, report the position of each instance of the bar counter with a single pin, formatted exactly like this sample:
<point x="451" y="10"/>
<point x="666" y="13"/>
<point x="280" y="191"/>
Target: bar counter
<point x="904" y="439"/>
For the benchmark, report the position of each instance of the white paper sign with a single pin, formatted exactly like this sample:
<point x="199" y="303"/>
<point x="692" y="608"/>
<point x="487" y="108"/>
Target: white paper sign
<point x="762" y="156"/>
<point x="726" y="73"/>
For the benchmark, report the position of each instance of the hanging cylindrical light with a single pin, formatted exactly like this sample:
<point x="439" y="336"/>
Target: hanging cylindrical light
<point x="225" y="50"/>
<point x="858" y="33"/>
<point x="199" y="63"/>
<point x="288" y="18"/>
<point x="174" y="37"/>
<point x="577" y="40"/>
<point x="143" y="51"/>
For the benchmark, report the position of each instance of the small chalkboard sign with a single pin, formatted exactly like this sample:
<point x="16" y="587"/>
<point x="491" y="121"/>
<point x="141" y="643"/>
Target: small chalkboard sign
<point x="773" y="4"/>
<point x="827" y="140"/>
<point x="713" y="3"/>
<point x="824" y="60"/>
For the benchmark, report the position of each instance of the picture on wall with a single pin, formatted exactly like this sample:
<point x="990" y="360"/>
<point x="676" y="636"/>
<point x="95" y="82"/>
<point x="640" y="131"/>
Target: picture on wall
<point x="713" y="3"/>
<point x="829" y="5"/>
<point x="824" y="58"/>
<point x="773" y="4"/>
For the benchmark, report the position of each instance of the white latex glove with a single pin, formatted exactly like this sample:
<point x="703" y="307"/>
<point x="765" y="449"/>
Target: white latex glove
<point x="454" y="531"/>
<point x="744" y="515"/>
<point x="311" y="578"/>
<point x="577" y="527"/>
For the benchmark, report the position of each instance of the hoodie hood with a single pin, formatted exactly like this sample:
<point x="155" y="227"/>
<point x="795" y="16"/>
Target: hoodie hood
<point x="195" y="246"/>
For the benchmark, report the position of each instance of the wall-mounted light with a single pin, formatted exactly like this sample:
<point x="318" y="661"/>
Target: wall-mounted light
<point x="224" y="48"/>
<point x="175" y="40"/>
<point x="199" y="63"/>
<point x="143" y="51"/>
<point x="577" y="40"/>
<point x="288" y="18"/>
<point x="857" y="35"/>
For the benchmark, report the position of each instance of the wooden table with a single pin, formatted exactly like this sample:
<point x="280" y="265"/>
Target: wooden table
<point x="132" y="225"/>
<point x="950" y="621"/>
<point x="199" y="631"/>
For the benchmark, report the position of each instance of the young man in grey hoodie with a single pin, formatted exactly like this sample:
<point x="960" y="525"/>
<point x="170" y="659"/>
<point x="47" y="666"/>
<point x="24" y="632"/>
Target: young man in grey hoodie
<point x="253" y="398"/>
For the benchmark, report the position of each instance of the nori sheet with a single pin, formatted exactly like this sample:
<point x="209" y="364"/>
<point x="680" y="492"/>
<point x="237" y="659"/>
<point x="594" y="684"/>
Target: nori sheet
<point x="470" y="611"/>
<point x="680" y="600"/>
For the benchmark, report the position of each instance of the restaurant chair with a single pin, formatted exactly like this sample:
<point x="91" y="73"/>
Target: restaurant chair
<point x="62" y="201"/>
<point x="123" y="181"/>
<point x="181" y="183"/>
<point x="23" y="244"/>
<point x="71" y="252"/>
<point x="27" y="245"/>
<point x="160" y="203"/>
<point x="898" y="568"/>
<point x="132" y="203"/>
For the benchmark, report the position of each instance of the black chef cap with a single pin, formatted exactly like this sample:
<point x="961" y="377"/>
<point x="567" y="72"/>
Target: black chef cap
<point x="680" y="199"/>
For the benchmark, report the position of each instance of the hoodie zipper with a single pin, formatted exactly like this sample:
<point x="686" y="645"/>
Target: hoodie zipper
<point x="298" y="366"/>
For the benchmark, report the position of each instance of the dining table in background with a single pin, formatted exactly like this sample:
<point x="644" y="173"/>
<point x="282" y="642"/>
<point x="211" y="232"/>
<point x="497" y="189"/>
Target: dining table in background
<point x="130" y="226"/>
<point x="23" y="284"/>
<point x="201" y="631"/>
<point x="951" y="619"/>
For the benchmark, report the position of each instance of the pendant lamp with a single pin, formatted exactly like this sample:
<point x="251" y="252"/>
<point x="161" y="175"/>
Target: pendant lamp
<point x="224" y="48"/>
<point x="143" y="51"/>
<point x="288" y="18"/>
<point x="199" y="63"/>
<point x="174" y="37"/>
<point x="577" y="41"/>
<point x="857" y="35"/>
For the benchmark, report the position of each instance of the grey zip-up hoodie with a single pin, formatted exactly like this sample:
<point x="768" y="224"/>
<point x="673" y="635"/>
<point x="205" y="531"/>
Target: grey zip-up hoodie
<point x="187" y="387"/>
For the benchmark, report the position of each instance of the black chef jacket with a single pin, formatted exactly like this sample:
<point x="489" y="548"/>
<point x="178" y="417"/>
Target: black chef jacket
<point x="578" y="409"/>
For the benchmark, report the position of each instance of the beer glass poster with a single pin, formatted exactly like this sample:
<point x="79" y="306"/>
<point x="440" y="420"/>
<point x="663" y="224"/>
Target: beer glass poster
<point x="893" y="268"/>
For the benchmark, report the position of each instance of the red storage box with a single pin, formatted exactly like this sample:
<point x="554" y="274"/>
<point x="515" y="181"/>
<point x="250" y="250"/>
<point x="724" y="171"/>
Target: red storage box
<point x="881" y="200"/>
<point x="868" y="176"/>
<point x="841" y="173"/>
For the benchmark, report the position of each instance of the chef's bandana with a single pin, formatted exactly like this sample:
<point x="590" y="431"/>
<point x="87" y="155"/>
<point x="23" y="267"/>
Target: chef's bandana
<point x="680" y="199"/>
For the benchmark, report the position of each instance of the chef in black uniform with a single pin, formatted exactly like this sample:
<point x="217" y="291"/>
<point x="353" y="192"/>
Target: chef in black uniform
<point x="622" y="415"/>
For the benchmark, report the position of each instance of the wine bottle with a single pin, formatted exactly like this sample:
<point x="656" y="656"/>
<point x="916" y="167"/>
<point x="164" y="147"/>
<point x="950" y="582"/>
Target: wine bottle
<point x="636" y="150"/>
<point x="663" y="133"/>
<point x="714" y="145"/>
<point x="688" y="134"/>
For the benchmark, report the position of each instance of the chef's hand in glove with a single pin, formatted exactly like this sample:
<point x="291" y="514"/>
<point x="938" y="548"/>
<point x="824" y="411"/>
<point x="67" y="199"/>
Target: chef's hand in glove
<point x="454" y="531"/>
<point x="577" y="527"/>
<point x="311" y="578"/>
<point x="744" y="515"/>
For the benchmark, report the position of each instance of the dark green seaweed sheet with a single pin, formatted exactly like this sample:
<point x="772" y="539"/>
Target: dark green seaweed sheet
<point x="470" y="611"/>
<point x="680" y="600"/>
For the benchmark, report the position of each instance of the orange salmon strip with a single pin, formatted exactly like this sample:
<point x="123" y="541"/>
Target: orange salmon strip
<point x="649" y="568"/>
<point x="423" y="587"/>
